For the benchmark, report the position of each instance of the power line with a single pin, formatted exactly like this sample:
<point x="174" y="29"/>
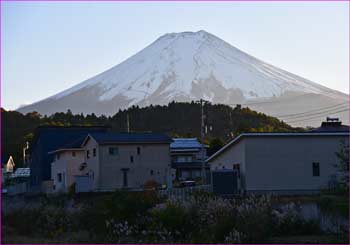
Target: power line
<point x="318" y="113"/>
<point x="314" y="110"/>
<point x="315" y="116"/>
<point x="315" y="113"/>
<point x="306" y="119"/>
<point x="266" y="102"/>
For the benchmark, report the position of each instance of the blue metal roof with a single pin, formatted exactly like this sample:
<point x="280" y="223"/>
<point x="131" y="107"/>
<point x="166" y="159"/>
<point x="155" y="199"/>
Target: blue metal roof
<point x="110" y="138"/>
<point x="75" y="144"/>
<point x="183" y="143"/>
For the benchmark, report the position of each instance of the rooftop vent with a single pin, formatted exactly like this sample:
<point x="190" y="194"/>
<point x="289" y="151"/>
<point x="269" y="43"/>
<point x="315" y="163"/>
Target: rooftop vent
<point x="332" y="119"/>
<point x="331" y="122"/>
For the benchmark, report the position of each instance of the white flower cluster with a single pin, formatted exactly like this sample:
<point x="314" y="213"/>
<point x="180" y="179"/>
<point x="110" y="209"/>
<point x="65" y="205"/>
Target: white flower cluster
<point x="287" y="213"/>
<point x="120" y="228"/>
<point x="253" y="204"/>
<point x="233" y="237"/>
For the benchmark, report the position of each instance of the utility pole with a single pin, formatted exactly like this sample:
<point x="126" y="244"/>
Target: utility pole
<point x="204" y="177"/>
<point x="127" y="123"/>
<point x="25" y="149"/>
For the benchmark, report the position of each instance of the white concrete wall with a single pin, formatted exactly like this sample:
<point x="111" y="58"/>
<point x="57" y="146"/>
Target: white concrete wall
<point x="285" y="163"/>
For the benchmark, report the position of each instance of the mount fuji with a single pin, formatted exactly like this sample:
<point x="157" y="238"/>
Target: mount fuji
<point x="189" y="66"/>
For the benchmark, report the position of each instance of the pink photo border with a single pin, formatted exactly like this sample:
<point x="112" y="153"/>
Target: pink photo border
<point x="130" y="1"/>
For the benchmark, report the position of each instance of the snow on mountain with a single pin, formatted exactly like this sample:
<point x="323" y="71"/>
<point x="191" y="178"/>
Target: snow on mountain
<point x="183" y="67"/>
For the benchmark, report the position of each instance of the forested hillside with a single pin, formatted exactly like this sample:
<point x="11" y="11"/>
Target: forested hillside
<point x="175" y="119"/>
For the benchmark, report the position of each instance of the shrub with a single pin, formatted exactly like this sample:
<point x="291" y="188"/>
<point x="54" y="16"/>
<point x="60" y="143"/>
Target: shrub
<point x="288" y="221"/>
<point x="151" y="185"/>
<point x="174" y="218"/>
<point x="71" y="189"/>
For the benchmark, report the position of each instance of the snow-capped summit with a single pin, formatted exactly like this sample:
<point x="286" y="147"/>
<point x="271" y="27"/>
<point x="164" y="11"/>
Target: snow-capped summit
<point x="189" y="66"/>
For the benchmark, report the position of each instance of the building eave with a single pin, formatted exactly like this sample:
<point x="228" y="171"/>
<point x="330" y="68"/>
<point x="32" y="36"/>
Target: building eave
<point x="65" y="149"/>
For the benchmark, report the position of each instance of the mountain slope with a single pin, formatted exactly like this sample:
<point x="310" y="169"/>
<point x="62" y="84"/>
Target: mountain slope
<point x="189" y="66"/>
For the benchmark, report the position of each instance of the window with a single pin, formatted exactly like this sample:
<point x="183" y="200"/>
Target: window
<point x="184" y="159"/>
<point x="138" y="150"/>
<point x="151" y="172"/>
<point x="315" y="169"/>
<point x="94" y="152"/>
<point x="113" y="151"/>
<point x="88" y="154"/>
<point x="59" y="177"/>
<point x="73" y="153"/>
<point x="131" y="159"/>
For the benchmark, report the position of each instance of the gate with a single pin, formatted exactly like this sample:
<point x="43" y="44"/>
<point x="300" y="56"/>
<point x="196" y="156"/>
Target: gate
<point x="225" y="182"/>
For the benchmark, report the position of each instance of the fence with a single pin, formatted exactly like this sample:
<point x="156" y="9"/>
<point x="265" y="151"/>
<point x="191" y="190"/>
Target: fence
<point x="18" y="188"/>
<point x="184" y="193"/>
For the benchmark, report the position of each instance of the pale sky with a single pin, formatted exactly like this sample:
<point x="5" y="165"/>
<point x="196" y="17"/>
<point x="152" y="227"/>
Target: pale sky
<point x="49" y="47"/>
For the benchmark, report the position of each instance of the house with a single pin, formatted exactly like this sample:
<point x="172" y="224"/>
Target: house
<point x="10" y="165"/>
<point x="21" y="174"/>
<point x="283" y="163"/>
<point x="109" y="161"/>
<point x="186" y="158"/>
<point x="68" y="162"/>
<point x="17" y="182"/>
<point x="50" y="138"/>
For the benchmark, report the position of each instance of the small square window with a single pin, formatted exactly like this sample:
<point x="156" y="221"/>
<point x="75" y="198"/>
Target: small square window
<point x="88" y="154"/>
<point x="73" y="153"/>
<point x="315" y="169"/>
<point x="131" y="159"/>
<point x="138" y="150"/>
<point x="94" y="152"/>
<point x="151" y="172"/>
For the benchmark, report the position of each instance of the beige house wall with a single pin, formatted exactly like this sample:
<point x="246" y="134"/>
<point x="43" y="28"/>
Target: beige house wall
<point x="93" y="166"/>
<point x="68" y="166"/>
<point x="153" y="163"/>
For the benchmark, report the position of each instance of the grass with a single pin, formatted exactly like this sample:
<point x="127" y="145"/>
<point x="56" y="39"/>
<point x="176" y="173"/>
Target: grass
<point x="319" y="239"/>
<point x="74" y="238"/>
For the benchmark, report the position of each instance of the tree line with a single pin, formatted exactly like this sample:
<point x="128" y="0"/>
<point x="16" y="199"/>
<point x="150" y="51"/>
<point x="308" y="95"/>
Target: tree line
<point x="176" y="119"/>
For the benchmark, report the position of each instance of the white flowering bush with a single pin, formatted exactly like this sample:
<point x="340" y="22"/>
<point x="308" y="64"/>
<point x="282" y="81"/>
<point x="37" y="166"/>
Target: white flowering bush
<point x="234" y="237"/>
<point x="286" y="214"/>
<point x="143" y="218"/>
